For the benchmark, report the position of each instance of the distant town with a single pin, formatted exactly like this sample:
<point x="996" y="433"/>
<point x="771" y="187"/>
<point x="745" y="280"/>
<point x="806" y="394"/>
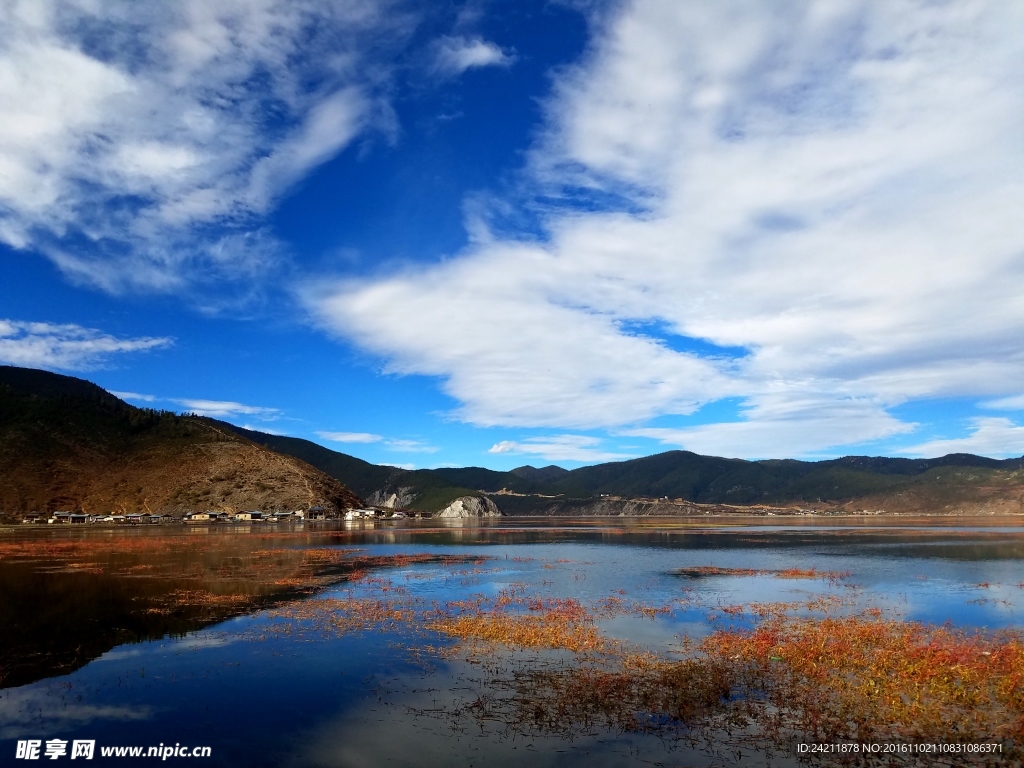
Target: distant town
<point x="312" y="514"/>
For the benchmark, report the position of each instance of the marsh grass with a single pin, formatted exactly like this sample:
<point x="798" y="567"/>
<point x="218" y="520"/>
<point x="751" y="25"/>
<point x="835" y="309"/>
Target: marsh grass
<point x="804" y="671"/>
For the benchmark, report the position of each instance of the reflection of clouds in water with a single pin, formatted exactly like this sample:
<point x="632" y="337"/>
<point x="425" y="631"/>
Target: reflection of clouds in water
<point x="194" y="642"/>
<point x="197" y="641"/>
<point x="658" y="634"/>
<point x="1003" y="600"/>
<point x="941" y="600"/>
<point x="117" y="654"/>
<point x="22" y="711"/>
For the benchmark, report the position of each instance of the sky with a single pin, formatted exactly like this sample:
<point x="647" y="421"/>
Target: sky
<point x="507" y="232"/>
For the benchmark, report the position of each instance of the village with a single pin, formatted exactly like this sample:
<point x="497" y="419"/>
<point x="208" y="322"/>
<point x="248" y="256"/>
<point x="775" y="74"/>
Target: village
<point x="313" y="514"/>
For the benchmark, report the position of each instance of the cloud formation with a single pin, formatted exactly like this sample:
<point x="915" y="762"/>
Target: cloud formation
<point x="65" y="347"/>
<point x="217" y="409"/>
<point x="560" y="448"/>
<point x="350" y="437"/>
<point x="832" y="188"/>
<point x="454" y="55"/>
<point x="141" y="142"/>
<point x="223" y="409"/>
<point x="394" y="444"/>
<point x="990" y="436"/>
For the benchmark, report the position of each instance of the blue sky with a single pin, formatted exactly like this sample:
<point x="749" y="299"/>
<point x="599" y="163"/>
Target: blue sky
<point x="499" y="233"/>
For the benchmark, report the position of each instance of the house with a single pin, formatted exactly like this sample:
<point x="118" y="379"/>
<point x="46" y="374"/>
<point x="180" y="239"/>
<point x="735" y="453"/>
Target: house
<point x="136" y="518"/>
<point x="317" y="513"/>
<point x="248" y="517"/>
<point x="197" y="517"/>
<point x="32" y="517"/>
<point x="79" y="518"/>
<point x="62" y="517"/>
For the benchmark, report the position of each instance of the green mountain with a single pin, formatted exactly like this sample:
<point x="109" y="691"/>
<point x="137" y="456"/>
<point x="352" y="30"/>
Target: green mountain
<point x="712" y="480"/>
<point x="851" y="483"/>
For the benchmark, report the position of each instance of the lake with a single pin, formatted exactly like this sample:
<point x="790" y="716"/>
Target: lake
<point x="499" y="642"/>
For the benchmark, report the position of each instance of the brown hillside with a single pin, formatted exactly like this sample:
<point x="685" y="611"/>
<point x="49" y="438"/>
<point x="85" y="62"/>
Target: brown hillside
<point x="68" y="445"/>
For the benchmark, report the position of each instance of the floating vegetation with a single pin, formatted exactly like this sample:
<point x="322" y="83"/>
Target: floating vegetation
<point x="824" y="679"/>
<point x="789" y="677"/>
<point x="702" y="571"/>
<point x="562" y="624"/>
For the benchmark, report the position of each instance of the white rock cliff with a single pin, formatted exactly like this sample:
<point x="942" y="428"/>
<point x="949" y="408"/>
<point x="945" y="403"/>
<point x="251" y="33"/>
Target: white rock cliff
<point x="470" y="506"/>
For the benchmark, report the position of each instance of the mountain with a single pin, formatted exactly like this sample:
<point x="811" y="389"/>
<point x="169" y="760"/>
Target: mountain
<point x="427" y="490"/>
<point x="953" y="483"/>
<point x="546" y="474"/>
<point x="713" y="480"/>
<point x="66" y="444"/>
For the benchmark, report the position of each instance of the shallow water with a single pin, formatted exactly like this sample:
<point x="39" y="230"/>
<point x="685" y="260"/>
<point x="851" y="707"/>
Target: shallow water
<point x="268" y="688"/>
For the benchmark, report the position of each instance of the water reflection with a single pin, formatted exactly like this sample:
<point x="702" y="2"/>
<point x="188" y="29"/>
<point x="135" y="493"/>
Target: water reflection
<point x="265" y="690"/>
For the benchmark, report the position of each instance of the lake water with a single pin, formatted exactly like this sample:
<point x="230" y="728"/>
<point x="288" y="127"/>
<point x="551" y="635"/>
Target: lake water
<point x="90" y="654"/>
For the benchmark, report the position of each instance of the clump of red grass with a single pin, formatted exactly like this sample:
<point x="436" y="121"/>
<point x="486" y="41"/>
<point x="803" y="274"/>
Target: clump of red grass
<point x="858" y="678"/>
<point x="863" y="677"/>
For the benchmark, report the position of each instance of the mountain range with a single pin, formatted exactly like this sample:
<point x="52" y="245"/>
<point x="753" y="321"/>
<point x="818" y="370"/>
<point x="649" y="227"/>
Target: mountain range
<point x="67" y="443"/>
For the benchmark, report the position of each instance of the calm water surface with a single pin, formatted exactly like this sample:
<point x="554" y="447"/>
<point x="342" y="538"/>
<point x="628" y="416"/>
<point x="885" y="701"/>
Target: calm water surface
<point x="264" y="689"/>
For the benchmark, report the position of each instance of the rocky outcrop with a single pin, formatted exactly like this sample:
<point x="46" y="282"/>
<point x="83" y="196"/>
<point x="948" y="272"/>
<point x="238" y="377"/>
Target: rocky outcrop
<point x="470" y="506"/>
<point x="402" y="498"/>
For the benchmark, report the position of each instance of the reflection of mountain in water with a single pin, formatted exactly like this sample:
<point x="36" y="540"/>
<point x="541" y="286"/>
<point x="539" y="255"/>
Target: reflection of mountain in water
<point x="66" y="599"/>
<point x="58" y="621"/>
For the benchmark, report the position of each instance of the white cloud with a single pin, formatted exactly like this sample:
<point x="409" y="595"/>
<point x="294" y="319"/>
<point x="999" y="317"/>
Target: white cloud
<point x="454" y="55"/>
<point x="990" y="436"/>
<point x="781" y="426"/>
<point x="217" y="409"/>
<point x="394" y="444"/>
<point x="833" y="187"/>
<point x="65" y="347"/>
<point x="139" y="141"/>
<point x="350" y="437"/>
<point x="265" y="429"/>
<point x="559" y="448"/>
<point x="406" y="465"/>
<point x="135" y="396"/>
<point x="222" y="409"/>
<point x="1012" y="403"/>
<point x="411" y="446"/>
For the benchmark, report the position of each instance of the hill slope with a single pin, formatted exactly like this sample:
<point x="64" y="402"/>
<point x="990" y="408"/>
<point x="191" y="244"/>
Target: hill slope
<point x="66" y="444"/>
<point x="713" y="480"/>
